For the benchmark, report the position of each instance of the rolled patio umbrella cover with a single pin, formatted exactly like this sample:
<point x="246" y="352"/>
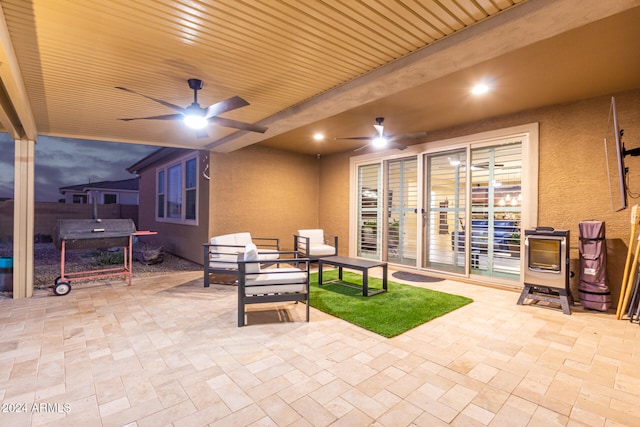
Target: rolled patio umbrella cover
<point x="593" y="290"/>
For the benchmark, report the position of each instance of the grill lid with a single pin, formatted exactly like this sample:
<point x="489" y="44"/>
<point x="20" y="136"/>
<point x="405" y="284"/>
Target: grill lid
<point x="93" y="233"/>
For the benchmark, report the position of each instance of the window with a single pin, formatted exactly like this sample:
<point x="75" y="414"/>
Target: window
<point x="79" y="198"/>
<point x="177" y="188"/>
<point x="110" y="199"/>
<point x="160" y="195"/>
<point x="191" y="180"/>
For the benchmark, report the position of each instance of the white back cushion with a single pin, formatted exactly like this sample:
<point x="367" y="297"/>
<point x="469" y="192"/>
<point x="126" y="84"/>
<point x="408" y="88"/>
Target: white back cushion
<point x="316" y="236"/>
<point x="225" y="239"/>
<point x="243" y="238"/>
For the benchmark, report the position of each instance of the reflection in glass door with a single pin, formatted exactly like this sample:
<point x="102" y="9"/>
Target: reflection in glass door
<point x="445" y="198"/>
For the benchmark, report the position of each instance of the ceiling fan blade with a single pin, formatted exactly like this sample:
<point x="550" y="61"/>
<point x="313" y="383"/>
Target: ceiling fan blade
<point x="221" y="121"/>
<point x="226" y="105"/>
<point x="358" y="138"/>
<point x="159" y="101"/>
<point x="361" y="148"/>
<point x="163" y="117"/>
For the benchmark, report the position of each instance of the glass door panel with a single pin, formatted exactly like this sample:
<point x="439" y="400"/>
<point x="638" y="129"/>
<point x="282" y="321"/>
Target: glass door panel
<point x="369" y="211"/>
<point x="496" y="197"/>
<point x="402" y="211"/>
<point x="445" y="205"/>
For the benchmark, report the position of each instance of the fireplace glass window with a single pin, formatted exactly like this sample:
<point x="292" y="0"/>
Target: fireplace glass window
<point x="544" y="254"/>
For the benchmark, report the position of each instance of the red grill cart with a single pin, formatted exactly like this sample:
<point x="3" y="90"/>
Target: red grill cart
<point x="94" y="234"/>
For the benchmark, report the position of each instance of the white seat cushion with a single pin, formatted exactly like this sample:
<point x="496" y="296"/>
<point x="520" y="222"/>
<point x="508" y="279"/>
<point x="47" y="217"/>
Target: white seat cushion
<point x="321" y="250"/>
<point x="274" y="289"/>
<point x="278" y="280"/>
<point x="226" y="263"/>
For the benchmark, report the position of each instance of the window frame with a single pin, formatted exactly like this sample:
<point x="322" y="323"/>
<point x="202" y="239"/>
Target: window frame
<point x="107" y="195"/>
<point x="163" y="172"/>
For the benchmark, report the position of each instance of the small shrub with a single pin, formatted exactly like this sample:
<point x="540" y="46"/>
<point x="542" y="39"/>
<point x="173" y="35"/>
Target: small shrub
<point x="107" y="258"/>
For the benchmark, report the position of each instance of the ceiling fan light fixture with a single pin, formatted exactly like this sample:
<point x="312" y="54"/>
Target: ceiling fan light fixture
<point x="379" y="142"/>
<point x="195" y="121"/>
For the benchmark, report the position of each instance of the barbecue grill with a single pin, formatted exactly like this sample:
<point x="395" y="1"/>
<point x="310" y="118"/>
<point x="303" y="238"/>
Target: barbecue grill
<point x="71" y="234"/>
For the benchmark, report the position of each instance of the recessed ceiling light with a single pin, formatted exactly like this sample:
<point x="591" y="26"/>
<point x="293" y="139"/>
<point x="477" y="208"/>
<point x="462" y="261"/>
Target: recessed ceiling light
<point x="318" y="136"/>
<point x="480" y="89"/>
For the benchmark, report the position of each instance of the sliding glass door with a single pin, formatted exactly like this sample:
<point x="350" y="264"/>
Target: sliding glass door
<point x="456" y="211"/>
<point x="488" y="241"/>
<point x="393" y="236"/>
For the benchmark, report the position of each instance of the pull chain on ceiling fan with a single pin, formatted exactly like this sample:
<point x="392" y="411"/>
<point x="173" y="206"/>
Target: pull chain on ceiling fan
<point x="197" y="117"/>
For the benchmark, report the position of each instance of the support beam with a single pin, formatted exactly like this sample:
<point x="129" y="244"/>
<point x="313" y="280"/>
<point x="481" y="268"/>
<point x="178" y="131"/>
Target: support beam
<point x="23" y="214"/>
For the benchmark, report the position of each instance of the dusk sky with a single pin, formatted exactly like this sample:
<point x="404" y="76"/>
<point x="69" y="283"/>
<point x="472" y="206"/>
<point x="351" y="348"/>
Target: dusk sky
<point x="61" y="162"/>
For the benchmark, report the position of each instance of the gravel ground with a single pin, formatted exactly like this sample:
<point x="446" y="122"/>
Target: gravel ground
<point x="47" y="263"/>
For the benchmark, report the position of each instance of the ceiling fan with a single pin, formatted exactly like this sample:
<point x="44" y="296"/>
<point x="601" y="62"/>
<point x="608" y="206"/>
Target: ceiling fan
<point x="197" y="117"/>
<point x="381" y="140"/>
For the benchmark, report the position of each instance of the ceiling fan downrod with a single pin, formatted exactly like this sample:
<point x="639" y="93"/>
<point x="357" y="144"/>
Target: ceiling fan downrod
<point x="196" y="85"/>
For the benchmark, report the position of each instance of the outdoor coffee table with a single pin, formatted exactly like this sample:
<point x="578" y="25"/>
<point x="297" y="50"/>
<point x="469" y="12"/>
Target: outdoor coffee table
<point x="362" y="265"/>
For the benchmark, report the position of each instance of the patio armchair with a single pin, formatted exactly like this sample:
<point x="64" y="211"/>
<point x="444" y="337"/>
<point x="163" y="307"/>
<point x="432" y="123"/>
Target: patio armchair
<point x="262" y="285"/>
<point x="221" y="253"/>
<point x="315" y="243"/>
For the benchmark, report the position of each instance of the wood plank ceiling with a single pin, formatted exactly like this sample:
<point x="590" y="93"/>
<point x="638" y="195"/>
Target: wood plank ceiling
<point x="62" y="60"/>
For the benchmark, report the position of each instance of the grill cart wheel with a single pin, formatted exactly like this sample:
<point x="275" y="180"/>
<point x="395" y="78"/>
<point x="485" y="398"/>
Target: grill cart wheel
<point x="61" y="288"/>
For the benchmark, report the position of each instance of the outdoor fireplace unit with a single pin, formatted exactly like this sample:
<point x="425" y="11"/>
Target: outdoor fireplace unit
<point x="546" y="267"/>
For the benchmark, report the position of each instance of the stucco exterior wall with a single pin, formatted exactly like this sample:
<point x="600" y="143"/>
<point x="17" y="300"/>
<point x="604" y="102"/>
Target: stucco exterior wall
<point x="179" y="239"/>
<point x="334" y="198"/>
<point x="573" y="184"/>
<point x="267" y="192"/>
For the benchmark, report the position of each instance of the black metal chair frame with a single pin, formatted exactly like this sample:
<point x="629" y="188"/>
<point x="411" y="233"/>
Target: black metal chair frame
<point x="301" y="245"/>
<point x="244" y="299"/>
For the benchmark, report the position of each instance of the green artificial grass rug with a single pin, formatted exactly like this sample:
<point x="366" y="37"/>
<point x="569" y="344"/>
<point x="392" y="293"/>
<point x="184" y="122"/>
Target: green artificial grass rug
<point x="390" y="313"/>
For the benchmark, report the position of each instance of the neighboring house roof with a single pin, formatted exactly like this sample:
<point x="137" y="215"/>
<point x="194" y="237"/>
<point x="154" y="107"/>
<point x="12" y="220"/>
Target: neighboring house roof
<point x="123" y="185"/>
<point x="156" y="157"/>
